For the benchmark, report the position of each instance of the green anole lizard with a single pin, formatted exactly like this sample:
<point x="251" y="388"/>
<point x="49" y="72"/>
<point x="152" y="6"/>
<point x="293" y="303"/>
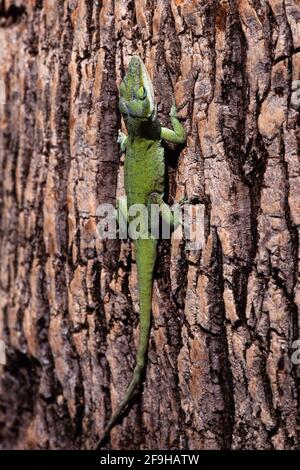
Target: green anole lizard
<point x="144" y="184"/>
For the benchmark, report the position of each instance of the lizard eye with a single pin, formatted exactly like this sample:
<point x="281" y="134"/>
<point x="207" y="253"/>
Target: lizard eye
<point x="141" y="93"/>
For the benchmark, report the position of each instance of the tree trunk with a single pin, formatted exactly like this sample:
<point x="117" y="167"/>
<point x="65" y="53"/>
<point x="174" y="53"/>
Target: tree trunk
<point x="220" y="372"/>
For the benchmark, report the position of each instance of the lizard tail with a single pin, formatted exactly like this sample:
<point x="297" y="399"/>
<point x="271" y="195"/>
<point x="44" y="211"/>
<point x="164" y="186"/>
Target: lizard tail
<point x="145" y="259"/>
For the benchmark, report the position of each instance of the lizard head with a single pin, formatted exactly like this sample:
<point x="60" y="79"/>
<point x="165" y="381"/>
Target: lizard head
<point x="136" y="92"/>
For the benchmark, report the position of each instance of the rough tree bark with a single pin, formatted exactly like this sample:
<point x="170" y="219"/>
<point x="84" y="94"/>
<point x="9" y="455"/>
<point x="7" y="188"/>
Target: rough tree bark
<point x="219" y="373"/>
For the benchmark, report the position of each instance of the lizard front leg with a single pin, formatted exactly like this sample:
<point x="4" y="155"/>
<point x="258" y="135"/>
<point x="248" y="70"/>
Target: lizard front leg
<point x="177" y="135"/>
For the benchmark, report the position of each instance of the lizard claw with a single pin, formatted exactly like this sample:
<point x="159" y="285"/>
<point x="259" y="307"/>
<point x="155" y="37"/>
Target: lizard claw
<point x="175" y="109"/>
<point x="121" y="136"/>
<point x="183" y="200"/>
<point x="122" y="140"/>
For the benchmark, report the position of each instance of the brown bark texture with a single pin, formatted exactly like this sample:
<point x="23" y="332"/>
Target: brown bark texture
<point x="219" y="372"/>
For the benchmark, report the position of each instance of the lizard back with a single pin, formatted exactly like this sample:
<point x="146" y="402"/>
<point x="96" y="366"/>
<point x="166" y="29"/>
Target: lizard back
<point x="144" y="170"/>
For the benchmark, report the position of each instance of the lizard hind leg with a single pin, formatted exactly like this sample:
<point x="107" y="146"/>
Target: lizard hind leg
<point x="157" y="207"/>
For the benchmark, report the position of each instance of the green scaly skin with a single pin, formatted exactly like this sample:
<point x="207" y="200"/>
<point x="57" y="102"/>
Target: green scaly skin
<point x="144" y="184"/>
